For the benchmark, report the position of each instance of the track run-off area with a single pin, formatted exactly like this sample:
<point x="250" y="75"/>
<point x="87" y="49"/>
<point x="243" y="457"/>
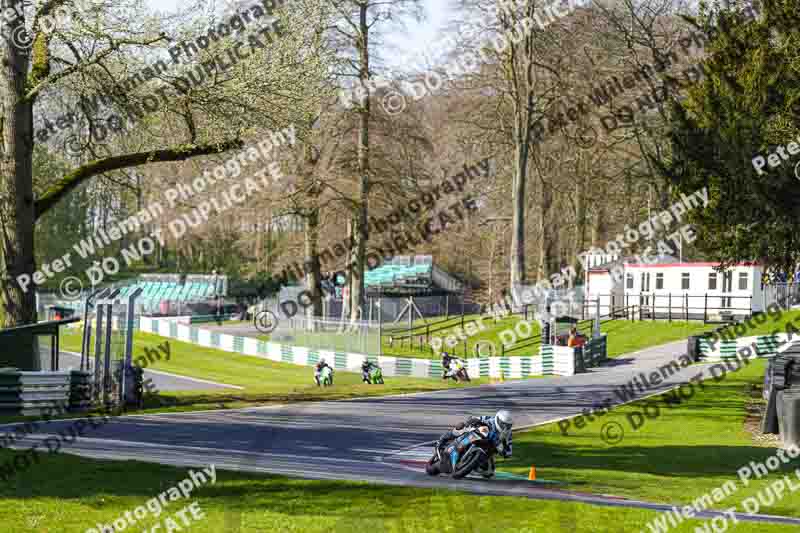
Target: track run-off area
<point x="380" y="440"/>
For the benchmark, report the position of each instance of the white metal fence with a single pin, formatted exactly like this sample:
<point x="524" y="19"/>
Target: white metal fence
<point x="785" y="294"/>
<point x="326" y="334"/>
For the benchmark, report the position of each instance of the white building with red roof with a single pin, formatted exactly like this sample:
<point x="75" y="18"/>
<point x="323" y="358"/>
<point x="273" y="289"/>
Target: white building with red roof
<point x="670" y="288"/>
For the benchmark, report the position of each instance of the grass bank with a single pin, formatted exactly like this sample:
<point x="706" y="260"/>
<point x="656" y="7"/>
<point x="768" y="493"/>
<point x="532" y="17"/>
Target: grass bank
<point x="71" y="494"/>
<point x="766" y="324"/>
<point x="264" y="381"/>
<point x="623" y="337"/>
<point x="686" y="451"/>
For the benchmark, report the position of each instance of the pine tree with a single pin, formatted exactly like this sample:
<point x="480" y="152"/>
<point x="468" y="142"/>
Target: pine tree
<point x="747" y="105"/>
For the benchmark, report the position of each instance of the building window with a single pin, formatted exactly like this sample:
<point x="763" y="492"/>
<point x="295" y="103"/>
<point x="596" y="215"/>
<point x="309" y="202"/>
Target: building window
<point x="712" y="281"/>
<point x="628" y="281"/>
<point x="685" y="281"/>
<point x="659" y="281"/>
<point x="742" y="281"/>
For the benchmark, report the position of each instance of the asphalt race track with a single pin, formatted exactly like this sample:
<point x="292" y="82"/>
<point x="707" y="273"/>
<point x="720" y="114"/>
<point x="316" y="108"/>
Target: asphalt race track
<point x="377" y="439"/>
<point x="162" y="381"/>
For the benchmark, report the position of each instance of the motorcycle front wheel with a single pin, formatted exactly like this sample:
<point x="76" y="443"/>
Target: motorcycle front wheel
<point x="487" y="470"/>
<point x="463" y="469"/>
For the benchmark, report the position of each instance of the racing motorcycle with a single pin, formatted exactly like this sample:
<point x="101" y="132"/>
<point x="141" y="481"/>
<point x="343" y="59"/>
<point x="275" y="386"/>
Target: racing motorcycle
<point x="472" y="451"/>
<point x="326" y="376"/>
<point x="457" y="371"/>
<point x="374" y="377"/>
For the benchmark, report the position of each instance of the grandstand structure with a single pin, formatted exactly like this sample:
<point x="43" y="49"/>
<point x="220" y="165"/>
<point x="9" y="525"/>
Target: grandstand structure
<point x="407" y="286"/>
<point x="407" y="275"/>
<point x="160" y="295"/>
<point x="175" y="294"/>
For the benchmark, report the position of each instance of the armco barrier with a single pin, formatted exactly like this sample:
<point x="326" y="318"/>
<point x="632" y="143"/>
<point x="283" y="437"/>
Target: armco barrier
<point x="551" y="360"/>
<point x="33" y="393"/>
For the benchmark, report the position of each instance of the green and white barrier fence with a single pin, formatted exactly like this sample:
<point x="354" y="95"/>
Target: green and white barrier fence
<point x="765" y="346"/>
<point x="551" y="360"/>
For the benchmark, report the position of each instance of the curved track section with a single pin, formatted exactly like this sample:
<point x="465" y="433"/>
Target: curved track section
<point x="375" y="439"/>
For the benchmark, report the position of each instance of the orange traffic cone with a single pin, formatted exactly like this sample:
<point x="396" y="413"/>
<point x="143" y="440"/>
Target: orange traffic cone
<point x="532" y="474"/>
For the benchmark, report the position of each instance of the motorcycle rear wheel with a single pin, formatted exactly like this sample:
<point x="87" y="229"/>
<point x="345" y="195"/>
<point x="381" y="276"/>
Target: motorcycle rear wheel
<point x="463" y="470"/>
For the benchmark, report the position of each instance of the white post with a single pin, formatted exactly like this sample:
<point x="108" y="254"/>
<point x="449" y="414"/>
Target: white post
<point x="596" y="332"/>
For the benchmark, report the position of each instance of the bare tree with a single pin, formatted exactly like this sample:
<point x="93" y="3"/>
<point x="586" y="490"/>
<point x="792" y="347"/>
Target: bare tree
<point x="355" y="28"/>
<point x="82" y="61"/>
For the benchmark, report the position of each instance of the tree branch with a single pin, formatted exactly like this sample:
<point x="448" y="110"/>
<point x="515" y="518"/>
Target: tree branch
<point x="41" y="61"/>
<point x="94" y="168"/>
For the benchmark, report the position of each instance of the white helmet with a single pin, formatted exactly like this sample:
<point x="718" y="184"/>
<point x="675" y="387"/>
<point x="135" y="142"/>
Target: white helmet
<point x="502" y="421"/>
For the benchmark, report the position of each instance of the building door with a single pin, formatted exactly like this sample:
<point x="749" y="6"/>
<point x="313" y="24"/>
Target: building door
<point x="645" y="299"/>
<point x="727" y="287"/>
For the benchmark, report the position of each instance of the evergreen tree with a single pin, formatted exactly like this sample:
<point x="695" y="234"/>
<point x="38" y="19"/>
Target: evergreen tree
<point x="747" y="106"/>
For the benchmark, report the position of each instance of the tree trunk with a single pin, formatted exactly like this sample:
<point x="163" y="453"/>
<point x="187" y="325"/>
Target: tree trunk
<point x="312" y="258"/>
<point x="517" y="266"/>
<point x="17" y="208"/>
<point x="518" y="61"/>
<point x="580" y="228"/>
<point x="599" y="226"/>
<point x="348" y="288"/>
<point x="545" y="244"/>
<point x="269" y="245"/>
<point x="359" y="234"/>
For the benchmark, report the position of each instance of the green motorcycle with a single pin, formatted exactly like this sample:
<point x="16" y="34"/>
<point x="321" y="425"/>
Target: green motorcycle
<point x="325" y="377"/>
<point x="372" y="375"/>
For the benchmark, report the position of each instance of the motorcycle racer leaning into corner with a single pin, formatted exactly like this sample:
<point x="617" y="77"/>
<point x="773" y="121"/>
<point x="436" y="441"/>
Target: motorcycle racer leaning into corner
<point x="366" y="368"/>
<point x="500" y="431"/>
<point x="451" y="365"/>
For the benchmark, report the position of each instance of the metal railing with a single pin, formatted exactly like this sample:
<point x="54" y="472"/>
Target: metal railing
<point x="346" y="336"/>
<point x="679" y="306"/>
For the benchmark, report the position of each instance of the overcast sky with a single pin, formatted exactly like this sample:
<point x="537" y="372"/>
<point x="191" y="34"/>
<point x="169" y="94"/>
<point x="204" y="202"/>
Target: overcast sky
<point x="419" y="39"/>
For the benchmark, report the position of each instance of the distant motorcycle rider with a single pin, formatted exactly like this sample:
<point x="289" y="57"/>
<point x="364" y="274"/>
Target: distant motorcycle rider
<point x="445" y="363"/>
<point x="366" y="370"/>
<point x="500" y="432"/>
<point x="318" y="370"/>
<point x="450" y="365"/>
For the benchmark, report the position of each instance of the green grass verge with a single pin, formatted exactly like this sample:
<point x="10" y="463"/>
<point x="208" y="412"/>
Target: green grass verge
<point x="772" y="322"/>
<point x="70" y="494"/>
<point x="685" y="452"/>
<point x="623" y="337"/>
<point x="626" y="337"/>
<point x="264" y="381"/>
